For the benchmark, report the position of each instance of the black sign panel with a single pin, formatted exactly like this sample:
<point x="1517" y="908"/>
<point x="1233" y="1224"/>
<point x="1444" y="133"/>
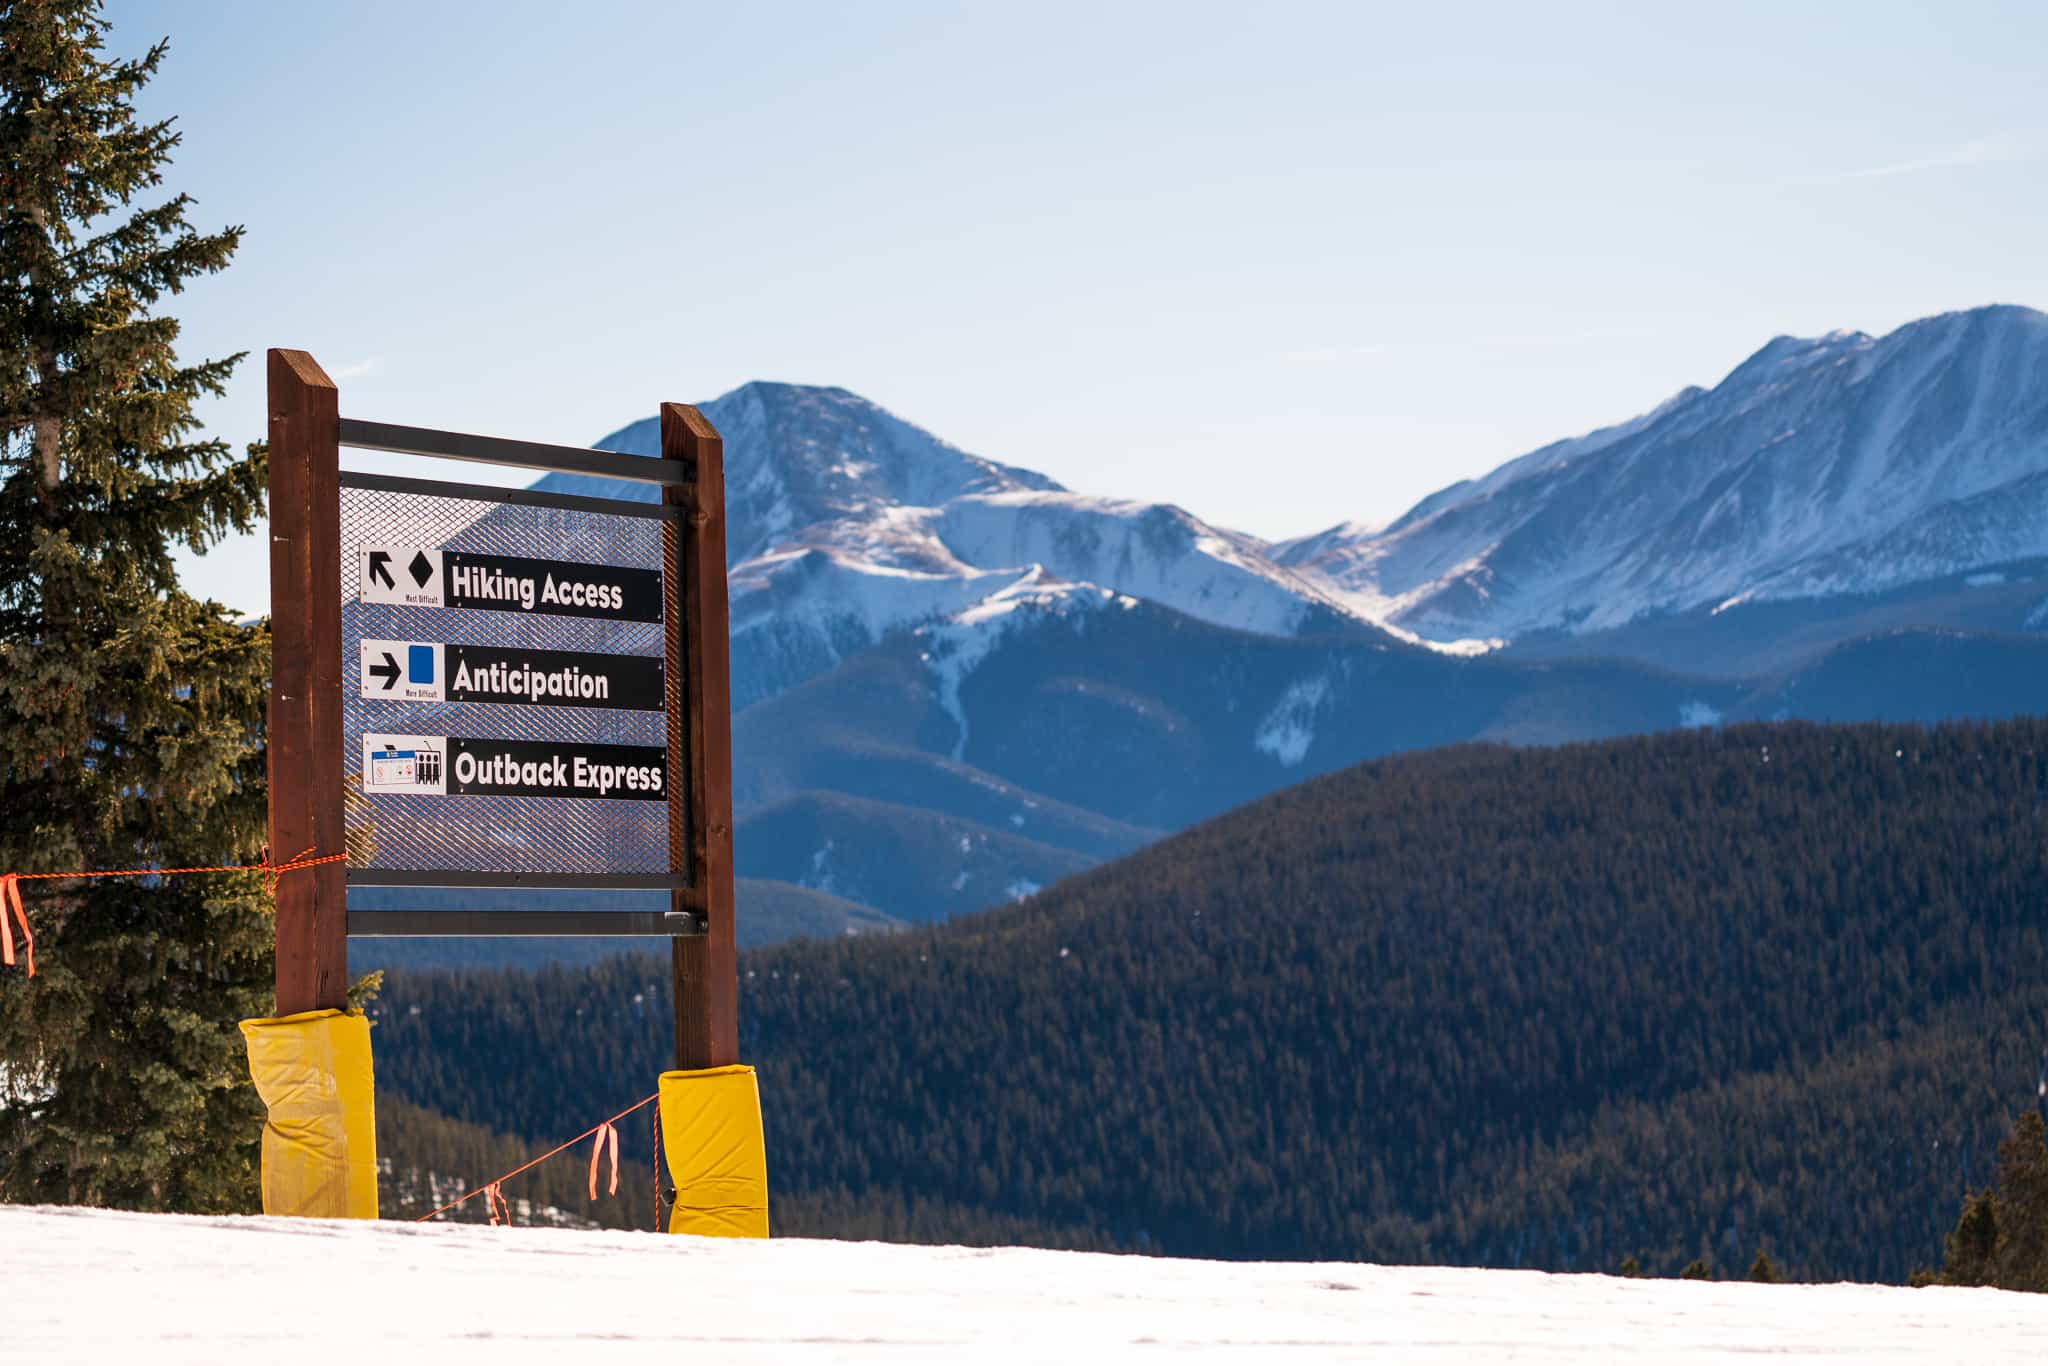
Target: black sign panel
<point x="562" y="588"/>
<point x="548" y="768"/>
<point x="555" y="678"/>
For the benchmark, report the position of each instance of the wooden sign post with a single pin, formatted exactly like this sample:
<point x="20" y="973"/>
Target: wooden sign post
<point x="705" y="967"/>
<point x="359" y="710"/>
<point x="305" y="683"/>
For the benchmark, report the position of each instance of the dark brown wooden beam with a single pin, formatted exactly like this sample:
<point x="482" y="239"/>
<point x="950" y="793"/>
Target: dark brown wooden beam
<point x="529" y="924"/>
<point x="495" y="450"/>
<point x="305" y="682"/>
<point x="706" y="967"/>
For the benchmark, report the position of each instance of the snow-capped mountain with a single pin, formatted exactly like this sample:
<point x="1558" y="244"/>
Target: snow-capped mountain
<point x="1820" y="468"/>
<point x="957" y="681"/>
<point x="845" y="523"/>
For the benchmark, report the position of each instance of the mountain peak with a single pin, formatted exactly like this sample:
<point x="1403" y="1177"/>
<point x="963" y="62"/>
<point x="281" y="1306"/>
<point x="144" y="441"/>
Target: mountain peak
<point x="1783" y="357"/>
<point x="1820" y="466"/>
<point x="846" y="523"/>
<point x="802" y="455"/>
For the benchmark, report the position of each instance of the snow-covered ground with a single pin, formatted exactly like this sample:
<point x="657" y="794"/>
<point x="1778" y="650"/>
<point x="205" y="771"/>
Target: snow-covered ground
<point x="90" y="1286"/>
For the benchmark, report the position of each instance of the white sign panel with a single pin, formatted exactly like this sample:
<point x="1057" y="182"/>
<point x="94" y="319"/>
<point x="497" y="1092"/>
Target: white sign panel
<point x="416" y="764"/>
<point x="404" y="670"/>
<point x="403" y="575"/>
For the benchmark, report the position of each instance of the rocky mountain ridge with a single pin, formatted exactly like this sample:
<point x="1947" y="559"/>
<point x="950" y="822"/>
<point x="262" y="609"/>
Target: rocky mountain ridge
<point x="1832" y="467"/>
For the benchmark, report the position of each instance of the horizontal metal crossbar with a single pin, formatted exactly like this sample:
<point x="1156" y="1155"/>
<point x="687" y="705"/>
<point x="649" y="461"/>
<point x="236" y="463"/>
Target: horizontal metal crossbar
<point x="517" y="924"/>
<point x="497" y="450"/>
<point x="443" y="877"/>
<point x="577" y="502"/>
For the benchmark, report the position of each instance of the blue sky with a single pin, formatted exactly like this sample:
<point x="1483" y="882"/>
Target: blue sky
<point x="1282" y="264"/>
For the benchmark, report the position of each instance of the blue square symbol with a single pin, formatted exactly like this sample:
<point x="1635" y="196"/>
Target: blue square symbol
<point x="419" y="665"/>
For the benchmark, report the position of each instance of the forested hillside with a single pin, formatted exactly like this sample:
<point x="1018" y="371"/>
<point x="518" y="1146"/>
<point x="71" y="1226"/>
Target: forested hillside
<point x="1776" y="987"/>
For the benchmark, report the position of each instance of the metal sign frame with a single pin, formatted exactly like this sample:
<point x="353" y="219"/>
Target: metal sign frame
<point x="307" y="772"/>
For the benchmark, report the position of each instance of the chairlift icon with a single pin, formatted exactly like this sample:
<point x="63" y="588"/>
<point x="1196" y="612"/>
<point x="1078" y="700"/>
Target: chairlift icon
<point x="404" y="764"/>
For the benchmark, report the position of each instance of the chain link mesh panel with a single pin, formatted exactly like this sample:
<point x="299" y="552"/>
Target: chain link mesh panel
<point x="500" y="834"/>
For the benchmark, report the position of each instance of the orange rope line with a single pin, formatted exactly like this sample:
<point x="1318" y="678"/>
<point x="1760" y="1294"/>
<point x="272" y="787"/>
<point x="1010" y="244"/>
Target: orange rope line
<point x="491" y="1187"/>
<point x="10" y="894"/>
<point x="271" y="871"/>
<point x="657" y="1168"/>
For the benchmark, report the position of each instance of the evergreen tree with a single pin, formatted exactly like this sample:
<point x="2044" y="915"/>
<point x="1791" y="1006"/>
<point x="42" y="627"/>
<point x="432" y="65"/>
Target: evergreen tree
<point x="130" y="714"/>
<point x="2023" y="1206"/>
<point x="1970" y="1248"/>
<point x="1763" y="1271"/>
<point x="1698" y="1269"/>
<point x="2001" y="1238"/>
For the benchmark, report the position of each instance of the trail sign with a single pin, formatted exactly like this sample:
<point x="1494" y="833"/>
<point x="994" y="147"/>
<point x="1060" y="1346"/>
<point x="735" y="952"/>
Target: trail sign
<point x="432" y="671"/>
<point x="422" y="576"/>
<point x="407" y="575"/>
<point x="403" y="670"/>
<point x="540" y="698"/>
<point x="556" y="678"/>
<point x="412" y="764"/>
<point x="437" y="765"/>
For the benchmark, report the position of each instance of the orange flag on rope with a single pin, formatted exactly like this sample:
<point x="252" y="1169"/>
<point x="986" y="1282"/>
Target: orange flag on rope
<point x="494" y="1201"/>
<point x="10" y="903"/>
<point x="604" y="1131"/>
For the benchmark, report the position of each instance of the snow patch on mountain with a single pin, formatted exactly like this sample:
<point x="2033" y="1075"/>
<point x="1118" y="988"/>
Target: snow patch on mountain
<point x="1152" y="551"/>
<point x="1289" y="729"/>
<point x="955" y="648"/>
<point x="820" y="876"/>
<point x="831" y="593"/>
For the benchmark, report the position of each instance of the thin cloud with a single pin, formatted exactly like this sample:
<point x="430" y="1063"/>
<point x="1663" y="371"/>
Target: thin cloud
<point x="1977" y="152"/>
<point x="1527" y="341"/>
<point x="358" y="370"/>
<point x="1535" y="341"/>
<point x="1314" y="355"/>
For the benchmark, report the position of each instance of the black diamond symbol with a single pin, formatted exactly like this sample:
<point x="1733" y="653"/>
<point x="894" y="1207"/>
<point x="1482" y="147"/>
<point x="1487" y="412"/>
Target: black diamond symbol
<point x="422" y="568"/>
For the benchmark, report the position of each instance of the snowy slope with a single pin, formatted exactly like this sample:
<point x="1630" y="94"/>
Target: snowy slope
<point x="846" y="523"/>
<point x="1153" y="551"/>
<point x="91" y="1287"/>
<point x="1845" y="464"/>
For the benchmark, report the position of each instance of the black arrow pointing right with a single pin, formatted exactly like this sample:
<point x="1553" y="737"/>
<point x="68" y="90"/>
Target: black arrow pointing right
<point x="388" y="671"/>
<point x="380" y="562"/>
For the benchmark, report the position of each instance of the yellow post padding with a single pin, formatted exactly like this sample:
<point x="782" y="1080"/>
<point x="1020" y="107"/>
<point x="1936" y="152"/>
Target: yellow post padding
<point x="711" y="1134"/>
<point x="320" y="1139"/>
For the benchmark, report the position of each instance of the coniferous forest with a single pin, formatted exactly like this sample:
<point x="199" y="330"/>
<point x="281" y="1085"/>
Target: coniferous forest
<point x="1686" y="998"/>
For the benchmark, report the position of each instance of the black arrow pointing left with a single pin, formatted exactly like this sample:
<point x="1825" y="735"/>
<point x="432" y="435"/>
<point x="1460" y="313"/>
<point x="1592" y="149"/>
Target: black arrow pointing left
<point x="388" y="671"/>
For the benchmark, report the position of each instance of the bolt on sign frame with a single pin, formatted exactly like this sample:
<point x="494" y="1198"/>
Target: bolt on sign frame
<point x="310" y="769"/>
